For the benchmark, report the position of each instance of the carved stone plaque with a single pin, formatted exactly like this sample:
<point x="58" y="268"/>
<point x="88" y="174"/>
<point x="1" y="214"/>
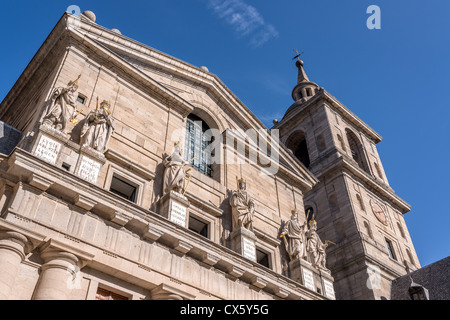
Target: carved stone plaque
<point x="249" y="249"/>
<point x="308" y="279"/>
<point x="329" y="290"/>
<point x="178" y="214"/>
<point x="89" y="169"/>
<point x="47" y="149"/>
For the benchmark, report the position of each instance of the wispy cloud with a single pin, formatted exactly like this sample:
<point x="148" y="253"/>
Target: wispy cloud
<point x="245" y="20"/>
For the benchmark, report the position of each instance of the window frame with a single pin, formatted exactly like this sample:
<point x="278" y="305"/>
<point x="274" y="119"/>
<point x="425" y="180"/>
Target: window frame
<point x="391" y="250"/>
<point x="192" y="146"/>
<point x="207" y="225"/>
<point x="125" y="176"/>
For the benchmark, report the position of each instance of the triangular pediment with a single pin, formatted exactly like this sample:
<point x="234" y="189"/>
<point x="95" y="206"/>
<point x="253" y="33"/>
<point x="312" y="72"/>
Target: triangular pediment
<point x="159" y="69"/>
<point x="150" y="69"/>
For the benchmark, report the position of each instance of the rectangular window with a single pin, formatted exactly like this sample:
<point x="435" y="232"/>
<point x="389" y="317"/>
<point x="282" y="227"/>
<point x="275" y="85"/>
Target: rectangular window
<point x="198" y="226"/>
<point x="390" y="248"/>
<point x="81" y="99"/>
<point x="123" y="188"/>
<point x="262" y="258"/>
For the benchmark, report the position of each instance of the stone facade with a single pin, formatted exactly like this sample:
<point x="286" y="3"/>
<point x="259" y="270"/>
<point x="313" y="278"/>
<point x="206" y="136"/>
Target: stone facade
<point x="83" y="223"/>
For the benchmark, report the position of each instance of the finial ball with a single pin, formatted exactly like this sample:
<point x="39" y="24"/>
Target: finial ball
<point x="90" y="15"/>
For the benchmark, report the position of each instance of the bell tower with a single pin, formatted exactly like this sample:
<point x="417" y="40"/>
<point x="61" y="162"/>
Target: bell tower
<point x="355" y="206"/>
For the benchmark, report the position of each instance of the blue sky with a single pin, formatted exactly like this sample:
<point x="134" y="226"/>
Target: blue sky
<point x="395" y="79"/>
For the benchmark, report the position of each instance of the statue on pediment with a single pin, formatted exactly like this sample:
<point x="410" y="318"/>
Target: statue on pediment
<point x="294" y="237"/>
<point x="175" y="175"/>
<point x="61" y="108"/>
<point x="243" y="207"/>
<point x="315" y="248"/>
<point x="98" y="128"/>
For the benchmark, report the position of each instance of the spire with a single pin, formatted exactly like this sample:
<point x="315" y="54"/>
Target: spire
<point x="302" y="77"/>
<point x="305" y="89"/>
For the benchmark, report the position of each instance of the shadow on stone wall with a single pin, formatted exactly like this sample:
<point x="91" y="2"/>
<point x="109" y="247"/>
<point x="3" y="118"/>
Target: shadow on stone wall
<point x="9" y="138"/>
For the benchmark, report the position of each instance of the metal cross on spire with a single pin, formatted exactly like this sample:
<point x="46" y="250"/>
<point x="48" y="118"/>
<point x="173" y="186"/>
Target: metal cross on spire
<point x="298" y="55"/>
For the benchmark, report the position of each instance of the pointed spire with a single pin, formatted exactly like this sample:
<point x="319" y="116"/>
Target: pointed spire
<point x="302" y="77"/>
<point x="305" y="89"/>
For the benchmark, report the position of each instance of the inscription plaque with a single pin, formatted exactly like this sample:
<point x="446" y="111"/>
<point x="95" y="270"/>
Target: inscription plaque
<point x="178" y="214"/>
<point x="329" y="290"/>
<point x="248" y="249"/>
<point x="89" y="169"/>
<point x="308" y="279"/>
<point x="47" y="149"/>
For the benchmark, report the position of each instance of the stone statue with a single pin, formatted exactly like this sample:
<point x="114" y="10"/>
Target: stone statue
<point x="62" y="107"/>
<point x="243" y="207"/>
<point x="175" y="175"/>
<point x="294" y="237"/>
<point x="98" y="128"/>
<point x="315" y="248"/>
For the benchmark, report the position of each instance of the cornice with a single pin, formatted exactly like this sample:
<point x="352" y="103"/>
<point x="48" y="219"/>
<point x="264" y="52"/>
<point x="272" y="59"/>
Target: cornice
<point x="383" y="191"/>
<point x="298" y="108"/>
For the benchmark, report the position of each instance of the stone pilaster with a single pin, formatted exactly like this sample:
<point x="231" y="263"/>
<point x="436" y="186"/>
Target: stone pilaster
<point x="13" y="247"/>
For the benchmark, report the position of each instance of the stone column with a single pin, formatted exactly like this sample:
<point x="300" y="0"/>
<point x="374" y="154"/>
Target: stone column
<point x="58" y="272"/>
<point x="12" y="253"/>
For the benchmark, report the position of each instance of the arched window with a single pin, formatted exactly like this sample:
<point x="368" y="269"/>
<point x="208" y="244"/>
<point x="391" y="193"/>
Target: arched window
<point x="297" y="143"/>
<point x="334" y="206"/>
<point x="402" y="233"/>
<point x="368" y="230"/>
<point x="321" y="143"/>
<point x="341" y="141"/>
<point x="378" y="170"/>
<point x="357" y="151"/>
<point x="360" y="202"/>
<point x="410" y="256"/>
<point x="198" y="138"/>
<point x="309" y="214"/>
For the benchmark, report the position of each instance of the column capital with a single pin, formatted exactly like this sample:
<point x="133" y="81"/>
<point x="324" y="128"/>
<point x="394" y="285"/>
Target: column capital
<point x="27" y="239"/>
<point x="16" y="242"/>
<point x="53" y="250"/>
<point x="166" y="292"/>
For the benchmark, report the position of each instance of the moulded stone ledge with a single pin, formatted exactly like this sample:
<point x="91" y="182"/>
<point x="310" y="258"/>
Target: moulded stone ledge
<point x="40" y="182"/>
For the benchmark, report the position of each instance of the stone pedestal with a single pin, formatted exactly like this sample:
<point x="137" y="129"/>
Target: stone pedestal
<point x="89" y="164"/>
<point x="312" y="278"/>
<point x="243" y="241"/>
<point x="56" y="148"/>
<point x="174" y="207"/>
<point x="12" y="253"/>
